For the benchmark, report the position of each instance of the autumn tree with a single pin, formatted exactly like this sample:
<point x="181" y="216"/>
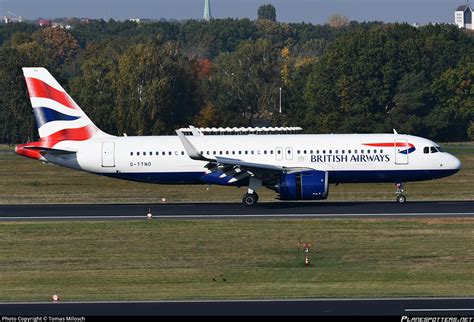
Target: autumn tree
<point x="338" y="21"/>
<point x="60" y="45"/>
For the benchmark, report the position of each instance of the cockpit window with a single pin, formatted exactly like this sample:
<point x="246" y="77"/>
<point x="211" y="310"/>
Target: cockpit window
<point x="433" y="149"/>
<point x="440" y="149"/>
<point x="426" y="150"/>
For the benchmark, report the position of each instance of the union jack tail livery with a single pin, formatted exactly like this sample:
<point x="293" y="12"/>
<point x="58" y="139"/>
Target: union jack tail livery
<point x="58" y="117"/>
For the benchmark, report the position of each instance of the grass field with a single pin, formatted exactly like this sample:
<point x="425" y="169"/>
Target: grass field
<point x="24" y="180"/>
<point x="167" y="259"/>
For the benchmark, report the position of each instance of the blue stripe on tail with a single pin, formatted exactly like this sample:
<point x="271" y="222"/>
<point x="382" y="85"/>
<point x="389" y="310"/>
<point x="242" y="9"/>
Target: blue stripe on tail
<point x="44" y="115"/>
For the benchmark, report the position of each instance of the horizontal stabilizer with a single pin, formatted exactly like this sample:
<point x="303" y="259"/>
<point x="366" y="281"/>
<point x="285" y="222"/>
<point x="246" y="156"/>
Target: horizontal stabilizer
<point x="49" y="150"/>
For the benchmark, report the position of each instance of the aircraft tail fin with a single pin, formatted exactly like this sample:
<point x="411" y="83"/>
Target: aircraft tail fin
<point x="58" y="117"/>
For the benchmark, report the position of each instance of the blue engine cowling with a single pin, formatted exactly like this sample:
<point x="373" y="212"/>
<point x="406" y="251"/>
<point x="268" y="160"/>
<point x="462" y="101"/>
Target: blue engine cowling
<point x="306" y="185"/>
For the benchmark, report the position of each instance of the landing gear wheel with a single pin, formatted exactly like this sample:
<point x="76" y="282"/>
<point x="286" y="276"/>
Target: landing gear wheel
<point x="250" y="199"/>
<point x="401" y="199"/>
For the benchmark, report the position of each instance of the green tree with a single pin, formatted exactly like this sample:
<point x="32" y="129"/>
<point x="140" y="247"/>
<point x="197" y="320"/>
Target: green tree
<point x="157" y="90"/>
<point x="94" y="88"/>
<point x="244" y="84"/>
<point x="365" y="70"/>
<point x="266" y="11"/>
<point x="16" y="117"/>
<point x="453" y="112"/>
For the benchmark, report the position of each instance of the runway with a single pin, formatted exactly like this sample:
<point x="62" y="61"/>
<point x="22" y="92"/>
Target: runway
<point x="394" y="307"/>
<point x="271" y="210"/>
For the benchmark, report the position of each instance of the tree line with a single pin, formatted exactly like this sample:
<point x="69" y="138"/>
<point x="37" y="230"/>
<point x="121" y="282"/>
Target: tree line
<point x="151" y="78"/>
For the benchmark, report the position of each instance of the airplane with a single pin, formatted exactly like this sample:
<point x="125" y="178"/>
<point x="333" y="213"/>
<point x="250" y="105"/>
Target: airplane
<point x="295" y="166"/>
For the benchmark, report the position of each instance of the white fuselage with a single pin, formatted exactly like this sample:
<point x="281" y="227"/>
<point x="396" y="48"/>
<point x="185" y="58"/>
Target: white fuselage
<point x="346" y="157"/>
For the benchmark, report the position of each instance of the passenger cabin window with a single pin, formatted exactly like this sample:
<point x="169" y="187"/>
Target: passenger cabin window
<point x="131" y="153"/>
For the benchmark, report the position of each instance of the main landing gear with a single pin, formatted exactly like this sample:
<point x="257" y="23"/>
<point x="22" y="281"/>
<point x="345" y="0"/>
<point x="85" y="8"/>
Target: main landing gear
<point x="400" y="196"/>
<point x="251" y="197"/>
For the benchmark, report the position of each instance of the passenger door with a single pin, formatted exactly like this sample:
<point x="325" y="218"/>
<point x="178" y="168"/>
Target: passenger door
<point x="401" y="151"/>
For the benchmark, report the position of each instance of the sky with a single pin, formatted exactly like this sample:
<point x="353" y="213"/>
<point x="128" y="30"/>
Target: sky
<point x="313" y="11"/>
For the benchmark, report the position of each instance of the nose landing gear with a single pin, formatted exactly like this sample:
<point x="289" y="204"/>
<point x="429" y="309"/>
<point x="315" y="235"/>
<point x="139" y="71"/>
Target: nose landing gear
<point x="400" y="196"/>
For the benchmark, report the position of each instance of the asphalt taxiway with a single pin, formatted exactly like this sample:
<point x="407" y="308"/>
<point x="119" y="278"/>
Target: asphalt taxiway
<point x="398" y="307"/>
<point x="268" y="210"/>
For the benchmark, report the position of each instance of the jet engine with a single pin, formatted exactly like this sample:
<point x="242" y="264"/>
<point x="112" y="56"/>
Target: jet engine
<point x="306" y="185"/>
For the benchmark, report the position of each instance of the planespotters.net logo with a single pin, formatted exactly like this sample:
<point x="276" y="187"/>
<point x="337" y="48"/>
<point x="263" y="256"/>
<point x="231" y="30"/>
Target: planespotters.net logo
<point x="437" y="319"/>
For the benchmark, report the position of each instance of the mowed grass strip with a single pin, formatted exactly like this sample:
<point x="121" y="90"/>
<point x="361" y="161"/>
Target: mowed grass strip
<point x="236" y="259"/>
<point x="26" y="181"/>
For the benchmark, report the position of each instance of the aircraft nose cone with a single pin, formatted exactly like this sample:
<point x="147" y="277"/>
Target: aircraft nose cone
<point x="455" y="163"/>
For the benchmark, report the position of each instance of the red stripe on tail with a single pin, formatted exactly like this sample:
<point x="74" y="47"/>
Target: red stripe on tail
<point x="79" y="134"/>
<point x="38" y="88"/>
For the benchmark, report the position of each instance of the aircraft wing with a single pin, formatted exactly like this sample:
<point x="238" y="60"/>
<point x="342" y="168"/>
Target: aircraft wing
<point x="238" y="169"/>
<point x="243" y="169"/>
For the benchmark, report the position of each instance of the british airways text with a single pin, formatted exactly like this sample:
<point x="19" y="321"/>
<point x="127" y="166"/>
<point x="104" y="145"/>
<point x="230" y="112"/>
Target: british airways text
<point x="358" y="158"/>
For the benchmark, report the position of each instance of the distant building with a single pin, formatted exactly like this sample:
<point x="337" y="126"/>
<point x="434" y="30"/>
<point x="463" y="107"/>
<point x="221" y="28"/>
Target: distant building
<point x="463" y="17"/>
<point x="10" y="17"/>
<point x="207" y="11"/>
<point x="141" y="20"/>
<point x="45" y="22"/>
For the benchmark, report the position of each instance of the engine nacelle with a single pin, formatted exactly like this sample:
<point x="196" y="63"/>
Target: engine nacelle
<point x="306" y="185"/>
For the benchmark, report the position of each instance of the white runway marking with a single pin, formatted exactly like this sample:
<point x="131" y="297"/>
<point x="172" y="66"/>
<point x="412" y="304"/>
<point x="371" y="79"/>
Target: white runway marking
<point x="158" y="216"/>
<point x="437" y="310"/>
